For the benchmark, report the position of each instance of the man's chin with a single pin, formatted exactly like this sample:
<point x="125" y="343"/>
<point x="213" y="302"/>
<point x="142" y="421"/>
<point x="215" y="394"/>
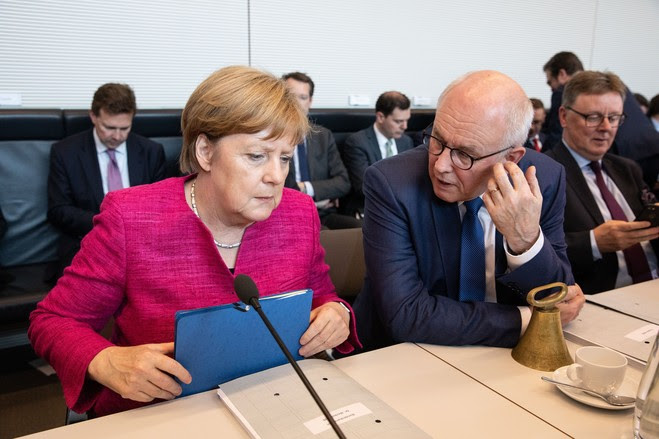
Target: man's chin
<point x="446" y="192"/>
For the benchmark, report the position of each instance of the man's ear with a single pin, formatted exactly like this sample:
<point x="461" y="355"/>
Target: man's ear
<point x="379" y="117"/>
<point x="204" y="149"/>
<point x="562" y="77"/>
<point x="562" y="116"/>
<point x="515" y="154"/>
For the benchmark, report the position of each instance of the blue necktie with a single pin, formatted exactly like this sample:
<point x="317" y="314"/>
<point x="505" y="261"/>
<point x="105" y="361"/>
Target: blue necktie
<point x="472" y="254"/>
<point x="303" y="164"/>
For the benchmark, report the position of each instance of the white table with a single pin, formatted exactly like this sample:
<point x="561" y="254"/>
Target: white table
<point x="607" y="327"/>
<point x="447" y="391"/>
<point x="498" y="371"/>
<point x="639" y="300"/>
<point x="437" y="397"/>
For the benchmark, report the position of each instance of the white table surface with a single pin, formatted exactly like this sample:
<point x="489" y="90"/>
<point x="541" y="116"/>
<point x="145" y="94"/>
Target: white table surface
<point x="639" y="300"/>
<point x="437" y="397"/>
<point x="496" y="369"/>
<point x="470" y="391"/>
<point x="607" y="327"/>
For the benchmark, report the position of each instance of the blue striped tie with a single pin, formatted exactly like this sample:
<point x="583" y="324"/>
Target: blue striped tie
<point x="472" y="254"/>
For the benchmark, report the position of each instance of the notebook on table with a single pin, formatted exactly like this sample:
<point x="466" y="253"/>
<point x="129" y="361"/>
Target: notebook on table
<point x="220" y="343"/>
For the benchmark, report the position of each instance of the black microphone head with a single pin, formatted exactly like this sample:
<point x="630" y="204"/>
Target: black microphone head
<point x="245" y="289"/>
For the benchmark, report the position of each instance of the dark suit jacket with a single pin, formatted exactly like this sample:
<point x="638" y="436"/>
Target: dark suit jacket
<point x="412" y="252"/>
<point x="75" y="187"/>
<point x="638" y="140"/>
<point x="360" y="151"/>
<point x="3" y="225"/>
<point x="329" y="177"/>
<point x="582" y="215"/>
<point x="552" y="128"/>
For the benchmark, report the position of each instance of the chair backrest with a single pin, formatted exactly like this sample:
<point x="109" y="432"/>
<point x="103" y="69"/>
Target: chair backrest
<point x="25" y="141"/>
<point x="344" y="253"/>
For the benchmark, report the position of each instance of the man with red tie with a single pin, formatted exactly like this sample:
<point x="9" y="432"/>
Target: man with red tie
<point x="536" y="138"/>
<point x="86" y="166"/>
<point x="605" y="192"/>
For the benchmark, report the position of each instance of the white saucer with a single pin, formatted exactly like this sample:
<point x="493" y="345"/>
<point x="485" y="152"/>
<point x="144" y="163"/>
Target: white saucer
<point x="629" y="387"/>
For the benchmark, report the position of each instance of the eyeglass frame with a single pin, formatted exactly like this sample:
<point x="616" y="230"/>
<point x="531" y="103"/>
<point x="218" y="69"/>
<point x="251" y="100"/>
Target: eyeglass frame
<point x="444" y="146"/>
<point x="600" y="116"/>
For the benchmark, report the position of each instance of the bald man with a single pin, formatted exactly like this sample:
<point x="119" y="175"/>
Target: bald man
<point x="457" y="232"/>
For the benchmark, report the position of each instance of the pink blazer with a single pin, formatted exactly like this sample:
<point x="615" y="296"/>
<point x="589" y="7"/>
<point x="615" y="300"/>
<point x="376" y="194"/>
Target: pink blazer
<point x="149" y="256"/>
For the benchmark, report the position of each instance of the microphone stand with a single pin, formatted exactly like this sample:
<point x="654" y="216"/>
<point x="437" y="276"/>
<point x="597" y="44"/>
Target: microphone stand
<point x="257" y="306"/>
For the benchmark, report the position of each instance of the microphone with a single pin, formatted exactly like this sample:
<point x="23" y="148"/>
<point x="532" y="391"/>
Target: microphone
<point x="249" y="294"/>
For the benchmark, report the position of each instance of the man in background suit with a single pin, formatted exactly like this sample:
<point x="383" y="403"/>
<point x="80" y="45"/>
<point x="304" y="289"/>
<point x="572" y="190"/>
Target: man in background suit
<point x="317" y="169"/>
<point x="86" y="166"/>
<point x="558" y="70"/>
<point x="536" y="138"/>
<point x="605" y="192"/>
<point x="426" y="282"/>
<point x="636" y="139"/>
<point x="384" y="139"/>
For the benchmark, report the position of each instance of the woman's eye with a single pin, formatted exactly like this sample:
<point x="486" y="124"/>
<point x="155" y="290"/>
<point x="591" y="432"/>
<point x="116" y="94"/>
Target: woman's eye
<point x="286" y="159"/>
<point x="256" y="157"/>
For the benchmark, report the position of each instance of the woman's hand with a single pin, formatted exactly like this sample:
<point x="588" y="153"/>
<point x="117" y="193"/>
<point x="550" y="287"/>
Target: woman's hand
<point x="141" y="373"/>
<point x="328" y="327"/>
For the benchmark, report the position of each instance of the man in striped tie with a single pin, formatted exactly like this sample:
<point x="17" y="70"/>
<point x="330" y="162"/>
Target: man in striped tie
<point x="87" y="165"/>
<point x="605" y="192"/>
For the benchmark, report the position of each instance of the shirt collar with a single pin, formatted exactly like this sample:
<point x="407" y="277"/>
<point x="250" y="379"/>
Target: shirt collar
<point x="581" y="160"/>
<point x="101" y="148"/>
<point x="382" y="139"/>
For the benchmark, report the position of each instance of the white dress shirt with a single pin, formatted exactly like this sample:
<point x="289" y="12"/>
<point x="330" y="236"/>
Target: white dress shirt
<point x="382" y="141"/>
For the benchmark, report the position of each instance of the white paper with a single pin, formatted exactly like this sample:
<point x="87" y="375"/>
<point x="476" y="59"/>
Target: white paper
<point x="647" y="332"/>
<point x="340" y="415"/>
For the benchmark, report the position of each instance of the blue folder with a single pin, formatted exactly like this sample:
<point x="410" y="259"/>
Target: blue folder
<point x="221" y="343"/>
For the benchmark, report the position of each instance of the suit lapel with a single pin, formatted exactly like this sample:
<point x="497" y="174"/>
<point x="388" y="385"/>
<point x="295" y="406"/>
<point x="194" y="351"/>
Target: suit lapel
<point x="500" y="261"/>
<point x="577" y="183"/>
<point x="135" y="159"/>
<point x="311" y="161"/>
<point x="375" y="146"/>
<point x="88" y="157"/>
<point x="446" y="218"/>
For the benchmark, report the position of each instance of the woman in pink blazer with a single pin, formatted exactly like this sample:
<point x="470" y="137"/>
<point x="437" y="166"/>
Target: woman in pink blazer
<point x="178" y="244"/>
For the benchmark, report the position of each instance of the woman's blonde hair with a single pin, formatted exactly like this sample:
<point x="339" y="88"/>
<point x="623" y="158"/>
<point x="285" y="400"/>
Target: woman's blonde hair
<point x="239" y="100"/>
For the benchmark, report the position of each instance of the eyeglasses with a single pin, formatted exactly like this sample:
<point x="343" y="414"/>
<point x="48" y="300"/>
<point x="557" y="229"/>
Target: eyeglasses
<point x="460" y="159"/>
<point x="595" y="119"/>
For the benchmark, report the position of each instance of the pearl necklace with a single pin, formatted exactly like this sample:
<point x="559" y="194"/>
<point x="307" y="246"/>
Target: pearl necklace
<point x="194" y="209"/>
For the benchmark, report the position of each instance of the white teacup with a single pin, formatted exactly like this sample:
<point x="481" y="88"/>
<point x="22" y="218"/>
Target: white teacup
<point x="599" y="369"/>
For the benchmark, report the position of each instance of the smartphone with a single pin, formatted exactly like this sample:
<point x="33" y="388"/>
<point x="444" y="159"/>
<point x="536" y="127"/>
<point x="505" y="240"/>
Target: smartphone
<point x="650" y="213"/>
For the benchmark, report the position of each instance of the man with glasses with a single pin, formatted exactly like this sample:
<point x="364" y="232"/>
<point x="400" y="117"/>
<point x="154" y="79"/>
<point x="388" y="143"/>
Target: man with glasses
<point x="636" y="139"/>
<point x="457" y="232"/>
<point x="605" y="192"/>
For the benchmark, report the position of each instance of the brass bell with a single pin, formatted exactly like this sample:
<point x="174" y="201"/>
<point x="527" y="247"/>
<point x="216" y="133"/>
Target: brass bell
<point x="542" y="347"/>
